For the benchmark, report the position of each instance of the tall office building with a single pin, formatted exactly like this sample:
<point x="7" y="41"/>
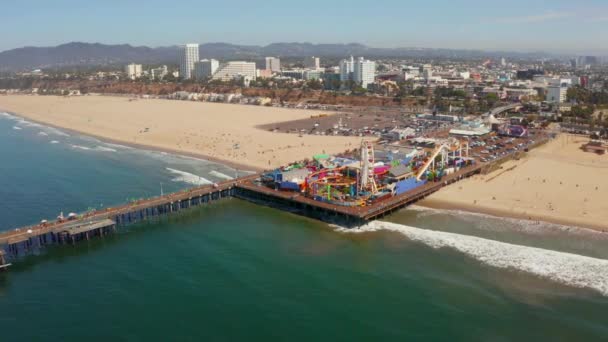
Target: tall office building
<point x="346" y="69"/>
<point x="235" y="70"/>
<point x="273" y="64"/>
<point x="205" y="68"/>
<point x="133" y="71"/>
<point x="188" y="56"/>
<point x="364" y="72"/>
<point x="312" y="62"/>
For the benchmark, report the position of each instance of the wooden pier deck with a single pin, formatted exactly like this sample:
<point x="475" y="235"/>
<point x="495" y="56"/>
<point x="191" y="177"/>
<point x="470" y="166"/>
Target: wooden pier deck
<point x="22" y="241"/>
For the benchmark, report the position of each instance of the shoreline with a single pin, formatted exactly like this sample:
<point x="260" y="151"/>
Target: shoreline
<point x="231" y="164"/>
<point x="429" y="203"/>
<point x="222" y="133"/>
<point x="441" y="204"/>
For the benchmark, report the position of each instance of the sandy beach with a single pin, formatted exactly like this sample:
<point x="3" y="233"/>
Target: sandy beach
<point x="556" y="182"/>
<point x="206" y="130"/>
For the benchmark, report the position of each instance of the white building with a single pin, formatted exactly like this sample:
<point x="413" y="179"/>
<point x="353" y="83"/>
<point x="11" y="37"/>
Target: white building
<point x="364" y="72"/>
<point x="312" y="62"/>
<point x="346" y="69"/>
<point x="316" y="74"/>
<point x="427" y="71"/>
<point x="557" y="94"/>
<point x="188" y="56"/>
<point x="205" y="68"/>
<point x="133" y="71"/>
<point x="159" y="73"/>
<point x="235" y="70"/>
<point x="273" y="64"/>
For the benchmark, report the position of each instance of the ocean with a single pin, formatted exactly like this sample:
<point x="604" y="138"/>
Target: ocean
<point x="237" y="271"/>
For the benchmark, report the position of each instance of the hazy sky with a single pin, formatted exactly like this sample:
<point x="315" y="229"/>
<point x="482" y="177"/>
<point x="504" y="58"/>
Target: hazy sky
<point x="579" y="26"/>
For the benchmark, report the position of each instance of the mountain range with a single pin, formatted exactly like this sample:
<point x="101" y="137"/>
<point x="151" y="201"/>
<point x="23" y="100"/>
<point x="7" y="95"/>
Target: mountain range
<point x="95" y="54"/>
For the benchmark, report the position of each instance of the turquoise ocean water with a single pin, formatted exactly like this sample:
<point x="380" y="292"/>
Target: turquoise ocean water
<point x="237" y="271"/>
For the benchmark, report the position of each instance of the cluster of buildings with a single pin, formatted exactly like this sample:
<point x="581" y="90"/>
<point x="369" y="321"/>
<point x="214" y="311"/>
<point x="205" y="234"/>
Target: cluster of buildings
<point x="507" y="81"/>
<point x="135" y="71"/>
<point x="357" y="70"/>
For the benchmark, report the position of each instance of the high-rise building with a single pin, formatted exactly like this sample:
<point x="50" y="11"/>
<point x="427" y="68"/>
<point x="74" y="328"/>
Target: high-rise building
<point x="364" y="72"/>
<point x="205" y="68"/>
<point x="133" y="71"/>
<point x="235" y="70"/>
<point x="159" y="73"/>
<point x="273" y="64"/>
<point x="188" y="56"/>
<point x="503" y="62"/>
<point x="346" y="69"/>
<point x="312" y="62"/>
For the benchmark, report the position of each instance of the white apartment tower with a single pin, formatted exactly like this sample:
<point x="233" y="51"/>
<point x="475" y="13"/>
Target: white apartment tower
<point x="205" y="68"/>
<point x="188" y="56"/>
<point x="273" y="64"/>
<point x="235" y="70"/>
<point x="346" y="69"/>
<point x="364" y="72"/>
<point x="312" y="62"/>
<point x="133" y="71"/>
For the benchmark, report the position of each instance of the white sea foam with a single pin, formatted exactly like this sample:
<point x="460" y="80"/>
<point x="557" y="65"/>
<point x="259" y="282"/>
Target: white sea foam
<point x="189" y="178"/>
<point x="28" y="123"/>
<point x="104" y="149"/>
<point x="55" y="131"/>
<point x="570" y="269"/>
<point x="81" y="147"/>
<point x="42" y="134"/>
<point x="17" y="128"/>
<point x="523" y="225"/>
<point x="119" y="146"/>
<point x="54" y="142"/>
<point x="220" y="175"/>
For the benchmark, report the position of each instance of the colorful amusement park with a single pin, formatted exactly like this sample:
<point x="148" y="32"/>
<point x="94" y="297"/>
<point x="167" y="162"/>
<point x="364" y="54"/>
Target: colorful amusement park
<point x="365" y="177"/>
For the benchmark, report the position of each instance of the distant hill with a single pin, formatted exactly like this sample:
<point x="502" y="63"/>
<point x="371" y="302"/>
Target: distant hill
<point x="94" y="54"/>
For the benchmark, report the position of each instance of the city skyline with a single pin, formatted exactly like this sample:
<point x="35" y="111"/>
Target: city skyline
<point x="561" y="27"/>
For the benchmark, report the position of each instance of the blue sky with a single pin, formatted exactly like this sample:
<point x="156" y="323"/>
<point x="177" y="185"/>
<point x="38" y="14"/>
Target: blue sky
<point x="578" y="26"/>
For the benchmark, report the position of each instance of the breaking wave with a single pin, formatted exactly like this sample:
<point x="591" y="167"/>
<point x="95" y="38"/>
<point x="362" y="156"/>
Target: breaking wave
<point x="28" y="123"/>
<point x="220" y="175"/>
<point x="189" y="178"/>
<point x="54" y="142"/>
<point x="55" y="131"/>
<point x="119" y="146"/>
<point x="569" y="269"/>
<point x="104" y="149"/>
<point x="523" y="225"/>
<point x="42" y="134"/>
<point x="81" y="147"/>
<point x="17" y="128"/>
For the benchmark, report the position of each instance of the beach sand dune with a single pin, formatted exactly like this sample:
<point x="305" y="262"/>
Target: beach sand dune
<point x="208" y="130"/>
<point x="557" y="182"/>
